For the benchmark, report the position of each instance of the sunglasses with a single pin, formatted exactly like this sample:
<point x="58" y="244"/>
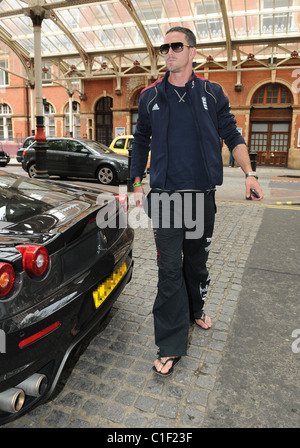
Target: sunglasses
<point x="177" y="47"/>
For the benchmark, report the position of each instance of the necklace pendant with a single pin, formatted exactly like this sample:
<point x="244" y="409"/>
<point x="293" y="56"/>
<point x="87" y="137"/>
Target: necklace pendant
<point x="181" y="98"/>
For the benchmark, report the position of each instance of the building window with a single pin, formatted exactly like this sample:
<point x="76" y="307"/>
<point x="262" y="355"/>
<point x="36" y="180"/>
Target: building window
<point x="5" y="122"/>
<point x="49" y="121"/>
<point x="46" y="73"/>
<point x="3" y="74"/>
<point x="272" y="94"/>
<point x="272" y="137"/>
<point x="75" y="118"/>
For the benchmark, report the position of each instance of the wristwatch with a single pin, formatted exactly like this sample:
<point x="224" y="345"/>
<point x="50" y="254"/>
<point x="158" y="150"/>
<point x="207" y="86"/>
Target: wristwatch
<point x="252" y="173"/>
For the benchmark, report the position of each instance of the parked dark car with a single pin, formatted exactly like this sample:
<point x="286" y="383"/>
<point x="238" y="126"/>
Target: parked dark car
<point x="70" y="157"/>
<point x="27" y="142"/>
<point x="4" y="157"/>
<point x="65" y="256"/>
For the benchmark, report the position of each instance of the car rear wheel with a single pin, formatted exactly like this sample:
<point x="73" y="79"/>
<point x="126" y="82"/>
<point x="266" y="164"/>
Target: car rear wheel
<point x="31" y="170"/>
<point x="106" y="175"/>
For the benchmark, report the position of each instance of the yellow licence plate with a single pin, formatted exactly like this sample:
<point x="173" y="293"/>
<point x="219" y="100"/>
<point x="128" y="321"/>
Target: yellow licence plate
<point x="103" y="291"/>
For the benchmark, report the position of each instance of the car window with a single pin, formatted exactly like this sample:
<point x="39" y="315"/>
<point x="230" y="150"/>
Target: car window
<point x="129" y="145"/>
<point x="120" y="143"/>
<point x="73" y="146"/>
<point x="28" y="142"/>
<point x="56" y="145"/>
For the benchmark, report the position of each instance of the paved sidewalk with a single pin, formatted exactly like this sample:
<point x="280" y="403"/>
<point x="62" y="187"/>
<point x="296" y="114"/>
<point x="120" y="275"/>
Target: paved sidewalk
<point x="241" y="373"/>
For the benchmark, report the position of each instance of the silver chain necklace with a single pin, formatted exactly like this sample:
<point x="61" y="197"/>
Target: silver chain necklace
<point x="180" y="97"/>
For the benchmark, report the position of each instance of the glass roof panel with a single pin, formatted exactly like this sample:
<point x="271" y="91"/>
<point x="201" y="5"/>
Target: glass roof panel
<point x="253" y="25"/>
<point x="121" y="37"/>
<point x="108" y="27"/>
<point x="95" y="15"/>
<point x="17" y="26"/>
<point x="27" y="44"/>
<point x="88" y="40"/>
<point x="11" y="5"/>
<point x="238" y="27"/>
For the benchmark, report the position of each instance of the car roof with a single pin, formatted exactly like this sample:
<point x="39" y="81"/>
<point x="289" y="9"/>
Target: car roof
<point x="82" y="140"/>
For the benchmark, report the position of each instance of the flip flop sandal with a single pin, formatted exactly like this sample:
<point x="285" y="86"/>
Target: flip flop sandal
<point x="203" y="320"/>
<point x="170" y="371"/>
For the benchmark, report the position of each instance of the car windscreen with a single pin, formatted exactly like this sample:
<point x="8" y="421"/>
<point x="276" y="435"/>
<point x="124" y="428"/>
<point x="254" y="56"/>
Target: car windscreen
<point x="99" y="147"/>
<point x="21" y="199"/>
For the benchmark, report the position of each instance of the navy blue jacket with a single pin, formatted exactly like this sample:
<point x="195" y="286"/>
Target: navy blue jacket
<point x="213" y="121"/>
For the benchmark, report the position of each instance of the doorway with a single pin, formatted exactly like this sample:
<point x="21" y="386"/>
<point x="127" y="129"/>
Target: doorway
<point x="270" y="127"/>
<point x="104" y="120"/>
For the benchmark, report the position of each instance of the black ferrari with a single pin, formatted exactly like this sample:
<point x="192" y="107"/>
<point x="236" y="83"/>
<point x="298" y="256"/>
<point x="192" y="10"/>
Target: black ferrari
<point x="65" y="256"/>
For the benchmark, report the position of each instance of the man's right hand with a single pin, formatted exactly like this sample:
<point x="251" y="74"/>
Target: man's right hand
<point x="139" y="194"/>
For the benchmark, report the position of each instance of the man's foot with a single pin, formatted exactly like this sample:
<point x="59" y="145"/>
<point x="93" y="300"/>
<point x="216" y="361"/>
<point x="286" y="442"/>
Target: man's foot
<point x="204" y="322"/>
<point x="164" y="366"/>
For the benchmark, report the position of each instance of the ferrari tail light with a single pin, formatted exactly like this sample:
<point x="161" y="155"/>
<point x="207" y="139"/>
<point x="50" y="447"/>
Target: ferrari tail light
<point x="35" y="259"/>
<point x="7" y="278"/>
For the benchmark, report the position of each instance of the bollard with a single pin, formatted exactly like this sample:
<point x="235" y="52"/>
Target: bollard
<point x="253" y="155"/>
<point x="129" y="183"/>
<point x="40" y="148"/>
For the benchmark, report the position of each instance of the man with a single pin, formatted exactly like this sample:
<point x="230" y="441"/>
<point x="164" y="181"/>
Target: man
<point x="186" y="117"/>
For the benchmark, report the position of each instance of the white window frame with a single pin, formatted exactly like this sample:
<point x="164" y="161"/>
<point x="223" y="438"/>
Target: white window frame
<point x="4" y="81"/>
<point x="49" y="121"/>
<point x="75" y="118"/>
<point x="5" y="122"/>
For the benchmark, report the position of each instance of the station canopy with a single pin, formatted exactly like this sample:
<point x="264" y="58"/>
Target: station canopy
<point x="86" y="39"/>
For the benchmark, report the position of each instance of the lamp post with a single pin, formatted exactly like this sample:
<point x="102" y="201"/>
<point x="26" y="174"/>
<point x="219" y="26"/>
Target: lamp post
<point x="70" y="93"/>
<point x="37" y="14"/>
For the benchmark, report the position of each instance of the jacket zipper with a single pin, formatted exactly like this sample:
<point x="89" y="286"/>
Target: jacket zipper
<point x="148" y="105"/>
<point x="199" y="135"/>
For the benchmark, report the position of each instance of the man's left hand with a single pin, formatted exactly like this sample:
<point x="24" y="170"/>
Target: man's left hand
<point x="252" y="183"/>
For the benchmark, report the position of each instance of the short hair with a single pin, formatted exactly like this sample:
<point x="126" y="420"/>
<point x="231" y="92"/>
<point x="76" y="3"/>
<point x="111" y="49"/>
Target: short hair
<point x="190" y="36"/>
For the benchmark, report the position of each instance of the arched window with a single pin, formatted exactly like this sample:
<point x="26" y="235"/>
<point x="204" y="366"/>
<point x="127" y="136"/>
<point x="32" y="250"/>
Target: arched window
<point x="75" y="117"/>
<point x="49" y="122"/>
<point x="272" y="94"/>
<point x="5" y="122"/>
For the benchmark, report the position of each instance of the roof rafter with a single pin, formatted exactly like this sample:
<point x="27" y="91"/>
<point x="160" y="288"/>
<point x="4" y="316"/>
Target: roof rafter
<point x="152" y="55"/>
<point x="227" y="32"/>
<point x="124" y="35"/>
